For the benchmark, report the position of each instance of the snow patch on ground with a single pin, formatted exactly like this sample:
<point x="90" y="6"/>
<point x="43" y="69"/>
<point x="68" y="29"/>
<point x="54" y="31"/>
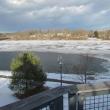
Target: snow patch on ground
<point x="71" y="77"/>
<point x="6" y="95"/>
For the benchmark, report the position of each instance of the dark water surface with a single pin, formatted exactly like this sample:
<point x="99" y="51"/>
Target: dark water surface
<point x="50" y="63"/>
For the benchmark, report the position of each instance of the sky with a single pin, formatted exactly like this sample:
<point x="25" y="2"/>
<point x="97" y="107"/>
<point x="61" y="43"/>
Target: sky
<point x="19" y="15"/>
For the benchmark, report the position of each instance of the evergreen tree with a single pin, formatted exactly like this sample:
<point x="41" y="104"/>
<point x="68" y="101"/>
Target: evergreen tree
<point x="27" y="73"/>
<point x="96" y="34"/>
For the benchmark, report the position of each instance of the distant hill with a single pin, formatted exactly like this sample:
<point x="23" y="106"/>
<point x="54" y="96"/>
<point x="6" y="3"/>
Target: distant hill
<point x="56" y="35"/>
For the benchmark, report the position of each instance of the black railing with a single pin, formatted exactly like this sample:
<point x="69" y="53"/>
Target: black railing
<point x="80" y="97"/>
<point x="100" y="102"/>
<point x="93" y="96"/>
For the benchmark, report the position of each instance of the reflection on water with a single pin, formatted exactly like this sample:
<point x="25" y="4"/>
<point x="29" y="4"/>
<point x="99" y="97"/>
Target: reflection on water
<point x="50" y="63"/>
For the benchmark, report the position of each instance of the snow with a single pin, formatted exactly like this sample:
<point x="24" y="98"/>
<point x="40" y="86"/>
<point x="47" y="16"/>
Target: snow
<point x="92" y="46"/>
<point x="56" y="46"/>
<point x="6" y="73"/>
<point x="6" y="95"/>
<point x="70" y="77"/>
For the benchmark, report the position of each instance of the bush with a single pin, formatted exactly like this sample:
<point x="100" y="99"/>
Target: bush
<point x="27" y="74"/>
<point x="96" y="34"/>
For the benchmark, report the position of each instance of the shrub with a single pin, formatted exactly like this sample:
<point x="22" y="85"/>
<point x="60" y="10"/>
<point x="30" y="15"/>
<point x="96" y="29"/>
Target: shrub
<point x="96" y="34"/>
<point x="27" y="73"/>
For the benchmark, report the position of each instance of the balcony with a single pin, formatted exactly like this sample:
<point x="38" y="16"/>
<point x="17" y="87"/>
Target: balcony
<point x="79" y="97"/>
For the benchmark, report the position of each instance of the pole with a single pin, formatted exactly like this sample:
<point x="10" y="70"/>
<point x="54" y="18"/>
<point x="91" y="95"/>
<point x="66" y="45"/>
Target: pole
<point x="60" y="62"/>
<point x="61" y="73"/>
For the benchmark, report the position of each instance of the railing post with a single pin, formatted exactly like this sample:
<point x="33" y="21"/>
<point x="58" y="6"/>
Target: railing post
<point x="80" y="102"/>
<point x="57" y="104"/>
<point x="72" y="101"/>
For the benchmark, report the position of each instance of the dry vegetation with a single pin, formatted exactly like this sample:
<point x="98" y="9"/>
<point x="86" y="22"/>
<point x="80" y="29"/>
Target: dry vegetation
<point x="104" y="35"/>
<point x="49" y="35"/>
<point x="3" y="37"/>
<point x="56" y="35"/>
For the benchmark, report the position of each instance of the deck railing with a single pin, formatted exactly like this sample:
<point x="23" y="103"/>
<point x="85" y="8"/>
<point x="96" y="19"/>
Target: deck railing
<point x="47" y="100"/>
<point x="80" y="97"/>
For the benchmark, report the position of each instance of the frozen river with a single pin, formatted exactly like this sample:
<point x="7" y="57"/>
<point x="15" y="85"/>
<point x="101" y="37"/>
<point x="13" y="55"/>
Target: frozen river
<point x="49" y="51"/>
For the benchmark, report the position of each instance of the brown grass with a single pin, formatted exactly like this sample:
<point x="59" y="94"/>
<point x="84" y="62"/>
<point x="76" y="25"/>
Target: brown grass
<point x="55" y="35"/>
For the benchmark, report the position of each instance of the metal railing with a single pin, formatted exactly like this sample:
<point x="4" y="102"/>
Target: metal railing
<point x="92" y="97"/>
<point x="100" y="102"/>
<point x="80" y="97"/>
<point x="47" y="100"/>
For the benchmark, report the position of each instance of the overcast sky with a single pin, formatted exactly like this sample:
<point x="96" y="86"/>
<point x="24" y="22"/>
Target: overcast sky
<point x="17" y="15"/>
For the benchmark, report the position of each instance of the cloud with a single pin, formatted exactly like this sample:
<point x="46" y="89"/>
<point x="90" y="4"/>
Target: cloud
<point x="17" y="15"/>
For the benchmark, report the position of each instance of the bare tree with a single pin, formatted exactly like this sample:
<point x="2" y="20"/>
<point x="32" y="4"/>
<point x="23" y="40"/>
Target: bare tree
<point x="83" y="67"/>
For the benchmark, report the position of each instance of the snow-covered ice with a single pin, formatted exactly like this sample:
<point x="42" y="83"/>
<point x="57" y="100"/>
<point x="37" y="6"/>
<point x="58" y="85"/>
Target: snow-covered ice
<point x="57" y="46"/>
<point x="97" y="47"/>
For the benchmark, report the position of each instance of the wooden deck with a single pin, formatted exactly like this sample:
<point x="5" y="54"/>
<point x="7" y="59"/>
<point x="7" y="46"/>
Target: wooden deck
<point x="51" y="96"/>
<point x="35" y="101"/>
